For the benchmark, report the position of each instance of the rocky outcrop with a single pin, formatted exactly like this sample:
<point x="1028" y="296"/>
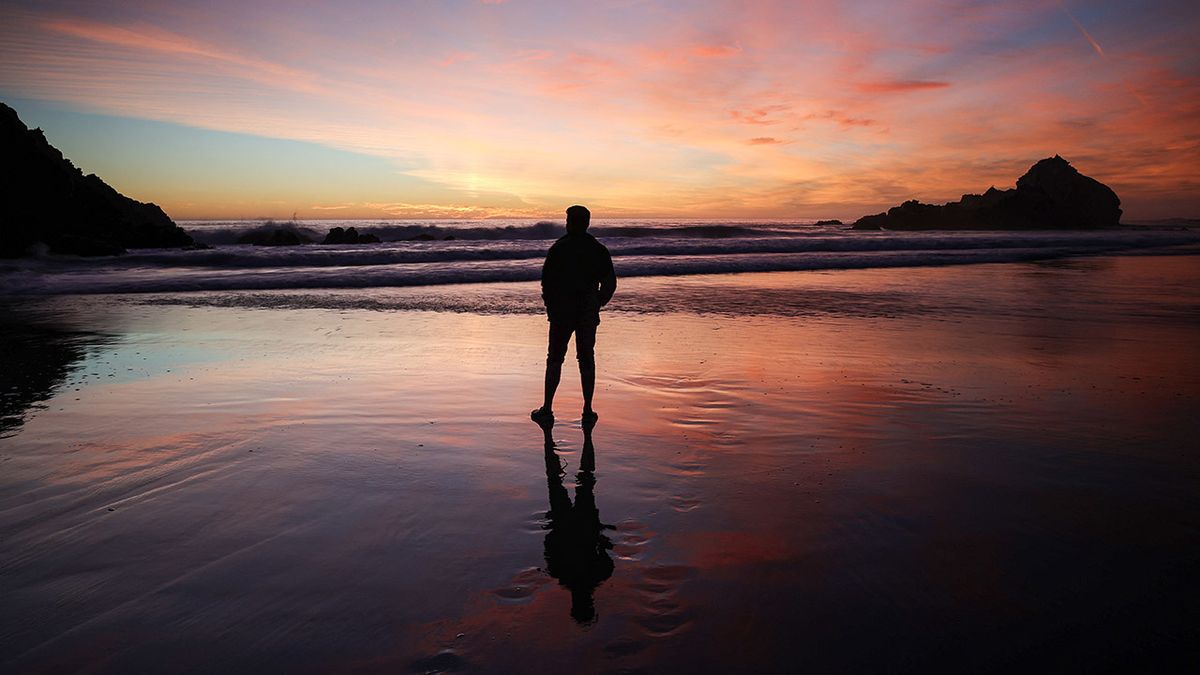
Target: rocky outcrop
<point x="1051" y="195"/>
<point x="349" y="235"/>
<point x="45" y="199"/>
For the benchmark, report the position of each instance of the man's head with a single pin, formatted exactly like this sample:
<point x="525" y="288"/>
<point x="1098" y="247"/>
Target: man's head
<point x="578" y="219"/>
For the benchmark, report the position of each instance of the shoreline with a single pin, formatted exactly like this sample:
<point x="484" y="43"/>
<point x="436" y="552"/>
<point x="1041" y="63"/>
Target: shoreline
<point x="847" y="464"/>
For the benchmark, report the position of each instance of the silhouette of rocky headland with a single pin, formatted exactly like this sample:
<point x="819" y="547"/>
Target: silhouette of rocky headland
<point x="45" y="198"/>
<point x="1051" y="195"/>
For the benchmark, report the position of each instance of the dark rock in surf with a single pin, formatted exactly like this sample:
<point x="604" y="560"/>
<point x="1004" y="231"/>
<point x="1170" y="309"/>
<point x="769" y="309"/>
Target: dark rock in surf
<point x="829" y="222"/>
<point x="349" y="235"/>
<point x="424" y="236"/>
<point x="1051" y="195"/>
<point x="45" y="200"/>
<point x="337" y="235"/>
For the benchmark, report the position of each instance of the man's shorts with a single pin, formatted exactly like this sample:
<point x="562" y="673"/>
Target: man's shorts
<point x="585" y="342"/>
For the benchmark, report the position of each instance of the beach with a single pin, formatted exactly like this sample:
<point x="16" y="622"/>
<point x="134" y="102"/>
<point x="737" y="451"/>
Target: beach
<point x="986" y="467"/>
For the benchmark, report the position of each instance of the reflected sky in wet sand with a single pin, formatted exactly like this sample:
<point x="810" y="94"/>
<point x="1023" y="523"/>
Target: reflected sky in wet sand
<point x="989" y="466"/>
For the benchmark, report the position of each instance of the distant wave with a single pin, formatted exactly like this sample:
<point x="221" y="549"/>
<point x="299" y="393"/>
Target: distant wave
<point x="410" y="252"/>
<point x="56" y="276"/>
<point x="230" y="232"/>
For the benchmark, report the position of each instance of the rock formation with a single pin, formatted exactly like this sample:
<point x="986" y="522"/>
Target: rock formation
<point x="45" y="199"/>
<point x="1051" y="195"/>
<point x="349" y="235"/>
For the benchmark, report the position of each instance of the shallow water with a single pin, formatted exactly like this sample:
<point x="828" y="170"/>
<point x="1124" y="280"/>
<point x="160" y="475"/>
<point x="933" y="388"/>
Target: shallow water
<point x="987" y="468"/>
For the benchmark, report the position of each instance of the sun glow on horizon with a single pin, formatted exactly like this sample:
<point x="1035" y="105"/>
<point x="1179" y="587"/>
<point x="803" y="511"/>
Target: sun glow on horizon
<point x="709" y="109"/>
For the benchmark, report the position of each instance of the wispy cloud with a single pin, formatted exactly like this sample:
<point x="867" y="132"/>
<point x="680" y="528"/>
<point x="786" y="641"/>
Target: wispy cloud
<point x="716" y="51"/>
<point x="148" y="38"/>
<point x="1083" y="31"/>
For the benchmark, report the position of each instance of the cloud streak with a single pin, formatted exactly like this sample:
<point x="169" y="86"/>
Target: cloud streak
<point x="1083" y="31"/>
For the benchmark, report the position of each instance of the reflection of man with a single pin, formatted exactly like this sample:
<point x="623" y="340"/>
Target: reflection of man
<point x="577" y="280"/>
<point x="576" y="548"/>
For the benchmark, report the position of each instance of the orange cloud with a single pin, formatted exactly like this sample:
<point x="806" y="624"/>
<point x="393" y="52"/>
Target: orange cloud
<point x="898" y="86"/>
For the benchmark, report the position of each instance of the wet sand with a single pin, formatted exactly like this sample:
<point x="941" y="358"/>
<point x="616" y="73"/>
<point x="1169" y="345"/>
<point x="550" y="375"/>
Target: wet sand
<point x="984" y="468"/>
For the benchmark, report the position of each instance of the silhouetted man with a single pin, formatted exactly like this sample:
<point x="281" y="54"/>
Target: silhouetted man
<point x="577" y="280"/>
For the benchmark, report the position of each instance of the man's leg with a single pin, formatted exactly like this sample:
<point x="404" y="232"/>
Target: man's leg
<point x="560" y="335"/>
<point x="585" y="351"/>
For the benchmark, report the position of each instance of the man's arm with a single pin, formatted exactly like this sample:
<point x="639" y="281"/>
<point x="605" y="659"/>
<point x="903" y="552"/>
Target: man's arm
<point x="548" y="273"/>
<point x="608" y="283"/>
<point x="544" y="266"/>
<point x="608" y="286"/>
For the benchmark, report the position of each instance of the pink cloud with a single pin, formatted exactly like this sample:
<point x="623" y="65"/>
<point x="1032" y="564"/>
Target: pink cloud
<point x="456" y="57"/>
<point x="842" y="118"/>
<point x="759" y="116"/>
<point x="716" y="51"/>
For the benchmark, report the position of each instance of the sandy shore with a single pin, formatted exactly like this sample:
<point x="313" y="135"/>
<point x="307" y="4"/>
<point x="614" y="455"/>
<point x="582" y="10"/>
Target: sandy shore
<point x="988" y="467"/>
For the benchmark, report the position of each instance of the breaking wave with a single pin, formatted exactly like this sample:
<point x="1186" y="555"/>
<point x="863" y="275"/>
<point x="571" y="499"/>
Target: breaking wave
<point x="482" y="254"/>
<point x="218" y="233"/>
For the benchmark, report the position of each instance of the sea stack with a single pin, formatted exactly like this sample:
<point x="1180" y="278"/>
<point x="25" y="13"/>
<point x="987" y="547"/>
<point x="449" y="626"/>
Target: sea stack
<point x="349" y="235"/>
<point x="1051" y="195"/>
<point x="45" y="199"/>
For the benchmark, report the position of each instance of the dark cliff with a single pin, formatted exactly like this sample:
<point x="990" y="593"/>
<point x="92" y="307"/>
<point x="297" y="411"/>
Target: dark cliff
<point x="1051" y="195"/>
<point x="45" y="198"/>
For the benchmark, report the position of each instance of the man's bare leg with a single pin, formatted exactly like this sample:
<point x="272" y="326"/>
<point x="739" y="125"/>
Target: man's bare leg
<point x="587" y="377"/>
<point x="553" y="375"/>
<point x="559" y="336"/>
<point x="585" y="346"/>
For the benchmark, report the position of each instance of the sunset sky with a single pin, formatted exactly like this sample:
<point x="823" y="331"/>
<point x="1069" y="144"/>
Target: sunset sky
<point x="469" y="109"/>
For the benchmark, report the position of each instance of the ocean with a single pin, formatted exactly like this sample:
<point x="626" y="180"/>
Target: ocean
<point x="434" y="252"/>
